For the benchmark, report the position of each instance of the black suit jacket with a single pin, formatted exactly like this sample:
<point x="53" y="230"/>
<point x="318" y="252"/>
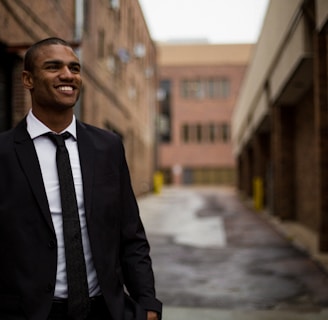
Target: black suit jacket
<point x="28" y="250"/>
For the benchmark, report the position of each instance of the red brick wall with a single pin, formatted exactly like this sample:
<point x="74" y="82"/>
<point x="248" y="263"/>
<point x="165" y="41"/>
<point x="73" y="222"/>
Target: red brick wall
<point x="25" y="21"/>
<point x="202" y="111"/>
<point x="321" y="133"/>
<point x="305" y="198"/>
<point x="20" y="97"/>
<point x="282" y="145"/>
<point x="106" y="100"/>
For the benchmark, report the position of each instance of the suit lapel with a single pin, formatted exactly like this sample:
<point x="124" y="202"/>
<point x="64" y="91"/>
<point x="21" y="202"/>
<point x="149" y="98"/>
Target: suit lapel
<point x="87" y="154"/>
<point x="30" y="164"/>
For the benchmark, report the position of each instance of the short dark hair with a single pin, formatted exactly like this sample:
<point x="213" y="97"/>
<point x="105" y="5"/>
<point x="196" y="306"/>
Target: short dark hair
<point x="30" y="53"/>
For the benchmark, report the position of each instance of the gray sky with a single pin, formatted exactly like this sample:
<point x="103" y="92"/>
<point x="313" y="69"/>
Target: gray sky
<point x="218" y="21"/>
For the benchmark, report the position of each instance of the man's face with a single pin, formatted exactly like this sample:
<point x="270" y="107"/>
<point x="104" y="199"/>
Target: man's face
<point x="55" y="81"/>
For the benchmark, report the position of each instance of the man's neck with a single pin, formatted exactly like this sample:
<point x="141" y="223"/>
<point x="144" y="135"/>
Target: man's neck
<point x="56" y="121"/>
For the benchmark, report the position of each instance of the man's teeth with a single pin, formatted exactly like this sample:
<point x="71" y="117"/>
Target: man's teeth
<point x="66" y="88"/>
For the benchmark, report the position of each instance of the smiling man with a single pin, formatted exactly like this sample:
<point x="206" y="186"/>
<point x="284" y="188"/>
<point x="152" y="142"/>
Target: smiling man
<point x="71" y="238"/>
<point x="52" y="74"/>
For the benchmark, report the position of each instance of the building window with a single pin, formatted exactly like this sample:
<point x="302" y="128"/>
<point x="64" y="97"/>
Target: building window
<point x="199" y="135"/>
<point x="212" y="132"/>
<point x="86" y="17"/>
<point x="225" y="130"/>
<point x="114" y="4"/>
<point x="205" y="133"/>
<point x="164" y="125"/>
<point x="185" y="133"/>
<point x="213" y="88"/>
<point x="210" y="88"/>
<point x="224" y="88"/>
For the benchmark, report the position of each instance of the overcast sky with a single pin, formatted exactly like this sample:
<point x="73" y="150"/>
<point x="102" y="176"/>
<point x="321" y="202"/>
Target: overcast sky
<point x="218" y="21"/>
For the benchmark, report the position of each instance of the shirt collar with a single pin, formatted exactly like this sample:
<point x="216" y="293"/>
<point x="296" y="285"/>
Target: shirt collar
<point x="36" y="128"/>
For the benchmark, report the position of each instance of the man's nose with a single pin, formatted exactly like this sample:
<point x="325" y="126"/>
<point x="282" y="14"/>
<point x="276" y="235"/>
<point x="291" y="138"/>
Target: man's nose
<point x="66" y="72"/>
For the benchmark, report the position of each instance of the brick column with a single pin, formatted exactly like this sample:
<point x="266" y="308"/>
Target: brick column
<point x="249" y="157"/>
<point x="321" y="134"/>
<point x="245" y="171"/>
<point x="258" y="156"/>
<point x="239" y="183"/>
<point x="283" y="162"/>
<point x="260" y="163"/>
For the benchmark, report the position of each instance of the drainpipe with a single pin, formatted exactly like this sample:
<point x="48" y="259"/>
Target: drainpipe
<point x="78" y="35"/>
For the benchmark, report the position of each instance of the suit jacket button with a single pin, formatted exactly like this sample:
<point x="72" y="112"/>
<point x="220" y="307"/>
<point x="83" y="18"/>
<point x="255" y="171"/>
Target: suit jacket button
<point x="52" y="244"/>
<point x="49" y="287"/>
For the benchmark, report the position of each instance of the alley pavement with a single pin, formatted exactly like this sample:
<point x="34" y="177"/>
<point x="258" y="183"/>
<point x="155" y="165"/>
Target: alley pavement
<point x="215" y="258"/>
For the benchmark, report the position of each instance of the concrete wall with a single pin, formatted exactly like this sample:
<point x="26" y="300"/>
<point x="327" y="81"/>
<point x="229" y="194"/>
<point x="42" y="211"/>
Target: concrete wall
<point x="252" y="103"/>
<point x="283" y="101"/>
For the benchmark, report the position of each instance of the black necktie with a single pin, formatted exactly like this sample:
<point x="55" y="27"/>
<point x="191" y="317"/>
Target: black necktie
<point x="78" y="293"/>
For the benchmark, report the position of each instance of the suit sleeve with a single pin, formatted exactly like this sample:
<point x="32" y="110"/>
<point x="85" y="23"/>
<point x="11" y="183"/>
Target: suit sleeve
<point x="135" y="249"/>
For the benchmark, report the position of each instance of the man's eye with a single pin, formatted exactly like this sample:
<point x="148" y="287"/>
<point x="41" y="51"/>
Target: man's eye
<point x="52" y="67"/>
<point x="75" y="69"/>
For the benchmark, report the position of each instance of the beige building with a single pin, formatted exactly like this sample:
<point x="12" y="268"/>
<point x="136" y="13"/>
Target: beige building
<point x="118" y="65"/>
<point x="199" y="86"/>
<point x="280" y="124"/>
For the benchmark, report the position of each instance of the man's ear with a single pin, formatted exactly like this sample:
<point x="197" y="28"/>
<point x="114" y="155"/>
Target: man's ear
<point x="27" y="80"/>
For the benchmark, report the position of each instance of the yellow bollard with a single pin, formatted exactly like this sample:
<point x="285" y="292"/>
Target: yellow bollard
<point x="258" y="193"/>
<point x="158" y="182"/>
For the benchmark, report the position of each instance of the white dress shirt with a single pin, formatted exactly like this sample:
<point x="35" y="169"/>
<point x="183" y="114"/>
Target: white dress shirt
<point x="46" y="151"/>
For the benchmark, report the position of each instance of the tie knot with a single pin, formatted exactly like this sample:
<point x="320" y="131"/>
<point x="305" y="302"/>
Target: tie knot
<point x="59" y="139"/>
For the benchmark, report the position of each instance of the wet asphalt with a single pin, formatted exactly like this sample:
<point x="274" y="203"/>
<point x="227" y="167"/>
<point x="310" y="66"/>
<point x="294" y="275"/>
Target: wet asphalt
<point x="215" y="258"/>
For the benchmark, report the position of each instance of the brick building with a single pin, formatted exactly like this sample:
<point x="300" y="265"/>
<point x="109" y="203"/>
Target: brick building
<point x="118" y="67"/>
<point x="280" y="127"/>
<point x="199" y="86"/>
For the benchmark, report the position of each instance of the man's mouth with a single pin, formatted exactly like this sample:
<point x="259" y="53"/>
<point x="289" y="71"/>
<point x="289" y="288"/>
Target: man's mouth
<point x="65" y="88"/>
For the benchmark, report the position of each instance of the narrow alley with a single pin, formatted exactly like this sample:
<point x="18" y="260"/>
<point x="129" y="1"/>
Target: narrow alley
<point x="214" y="258"/>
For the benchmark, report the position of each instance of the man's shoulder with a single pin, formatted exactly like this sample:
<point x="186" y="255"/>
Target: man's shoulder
<point x="6" y="142"/>
<point x="97" y="131"/>
<point x="19" y="128"/>
<point x="98" y="134"/>
<point x="6" y="135"/>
